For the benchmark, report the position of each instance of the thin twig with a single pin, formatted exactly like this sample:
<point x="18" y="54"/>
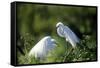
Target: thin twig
<point x="67" y="54"/>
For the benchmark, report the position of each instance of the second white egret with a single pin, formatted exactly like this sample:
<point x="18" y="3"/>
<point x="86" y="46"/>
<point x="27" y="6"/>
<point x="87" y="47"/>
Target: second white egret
<point x="42" y="48"/>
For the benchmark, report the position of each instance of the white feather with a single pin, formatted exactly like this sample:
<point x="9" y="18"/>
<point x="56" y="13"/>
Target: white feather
<point x="65" y="31"/>
<point x="41" y="49"/>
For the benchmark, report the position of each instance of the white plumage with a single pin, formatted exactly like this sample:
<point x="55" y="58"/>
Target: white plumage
<point x="66" y="32"/>
<point x="41" y="49"/>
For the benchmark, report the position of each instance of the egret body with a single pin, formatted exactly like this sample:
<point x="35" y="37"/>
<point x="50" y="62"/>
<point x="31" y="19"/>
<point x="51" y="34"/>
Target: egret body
<point x="67" y="33"/>
<point x="41" y="49"/>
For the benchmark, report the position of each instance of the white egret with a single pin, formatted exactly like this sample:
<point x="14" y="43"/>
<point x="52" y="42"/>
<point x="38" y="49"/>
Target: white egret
<point x="67" y="33"/>
<point x="42" y="48"/>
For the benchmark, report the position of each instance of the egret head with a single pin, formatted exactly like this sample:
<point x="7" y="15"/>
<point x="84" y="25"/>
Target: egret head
<point x="59" y="24"/>
<point x="50" y="41"/>
<point x="48" y="38"/>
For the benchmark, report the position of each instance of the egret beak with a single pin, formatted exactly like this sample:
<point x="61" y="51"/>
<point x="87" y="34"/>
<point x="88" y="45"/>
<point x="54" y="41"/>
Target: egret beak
<point x="56" y="44"/>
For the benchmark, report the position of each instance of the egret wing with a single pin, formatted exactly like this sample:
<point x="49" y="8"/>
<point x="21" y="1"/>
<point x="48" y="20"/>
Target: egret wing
<point x="71" y="34"/>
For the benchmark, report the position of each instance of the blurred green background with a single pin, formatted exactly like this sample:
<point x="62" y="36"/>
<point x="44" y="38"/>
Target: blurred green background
<point x="35" y="21"/>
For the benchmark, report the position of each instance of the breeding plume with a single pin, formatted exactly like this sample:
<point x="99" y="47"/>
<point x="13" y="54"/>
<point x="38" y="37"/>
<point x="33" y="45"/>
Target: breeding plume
<point x="67" y="33"/>
<point x="42" y="48"/>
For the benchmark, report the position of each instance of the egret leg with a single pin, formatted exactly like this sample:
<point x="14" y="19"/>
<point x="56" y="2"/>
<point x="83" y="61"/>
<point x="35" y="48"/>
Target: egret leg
<point x="67" y="54"/>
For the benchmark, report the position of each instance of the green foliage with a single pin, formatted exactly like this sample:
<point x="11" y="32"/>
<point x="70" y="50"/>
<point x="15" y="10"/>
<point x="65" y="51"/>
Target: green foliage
<point x="36" y="21"/>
